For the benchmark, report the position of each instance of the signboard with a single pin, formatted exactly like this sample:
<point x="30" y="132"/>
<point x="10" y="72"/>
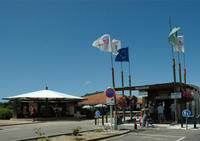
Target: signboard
<point x="143" y="93"/>
<point x="142" y="88"/>
<point x="97" y="113"/>
<point x="176" y="95"/>
<point x="110" y="101"/>
<point x="186" y="113"/>
<point x="110" y="92"/>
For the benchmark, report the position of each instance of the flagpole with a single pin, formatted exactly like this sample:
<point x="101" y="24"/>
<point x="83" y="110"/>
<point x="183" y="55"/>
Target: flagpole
<point x="184" y="68"/>
<point x="174" y="75"/>
<point x="122" y="80"/>
<point x="130" y="92"/>
<point x="113" y="81"/>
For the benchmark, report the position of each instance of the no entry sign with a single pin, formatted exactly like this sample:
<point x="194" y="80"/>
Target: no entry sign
<point x="110" y="92"/>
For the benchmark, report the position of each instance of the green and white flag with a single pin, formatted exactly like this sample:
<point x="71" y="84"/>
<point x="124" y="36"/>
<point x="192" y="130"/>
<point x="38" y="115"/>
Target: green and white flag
<point x="172" y="39"/>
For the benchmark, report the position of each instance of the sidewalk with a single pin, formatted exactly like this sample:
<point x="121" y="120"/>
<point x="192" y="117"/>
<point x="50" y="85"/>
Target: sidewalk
<point x="168" y="126"/>
<point x="15" y="122"/>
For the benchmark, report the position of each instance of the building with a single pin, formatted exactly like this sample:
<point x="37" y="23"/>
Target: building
<point x="100" y="98"/>
<point x="186" y="96"/>
<point x="44" y="103"/>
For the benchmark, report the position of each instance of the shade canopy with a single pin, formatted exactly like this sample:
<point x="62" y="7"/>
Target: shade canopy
<point x="45" y="95"/>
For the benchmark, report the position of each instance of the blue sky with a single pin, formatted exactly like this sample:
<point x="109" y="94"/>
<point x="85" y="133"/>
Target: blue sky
<point x="49" y="42"/>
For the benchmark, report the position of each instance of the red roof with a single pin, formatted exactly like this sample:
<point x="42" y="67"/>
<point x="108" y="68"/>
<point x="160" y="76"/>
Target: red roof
<point x="100" y="98"/>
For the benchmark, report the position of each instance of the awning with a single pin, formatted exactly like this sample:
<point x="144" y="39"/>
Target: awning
<point x="45" y="95"/>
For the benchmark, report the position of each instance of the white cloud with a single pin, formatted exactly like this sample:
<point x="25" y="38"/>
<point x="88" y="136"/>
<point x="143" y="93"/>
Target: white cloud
<point x="88" y="82"/>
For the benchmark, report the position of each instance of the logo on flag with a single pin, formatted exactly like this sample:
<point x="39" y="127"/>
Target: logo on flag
<point x="103" y="43"/>
<point x="122" y="55"/>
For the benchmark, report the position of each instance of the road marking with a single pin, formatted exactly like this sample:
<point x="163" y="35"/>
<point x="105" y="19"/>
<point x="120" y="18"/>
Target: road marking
<point x="181" y="139"/>
<point x="159" y="135"/>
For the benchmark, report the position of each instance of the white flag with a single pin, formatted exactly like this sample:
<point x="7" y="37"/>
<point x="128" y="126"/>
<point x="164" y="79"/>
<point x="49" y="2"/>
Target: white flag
<point x="180" y="44"/>
<point x="103" y="43"/>
<point x="116" y="45"/>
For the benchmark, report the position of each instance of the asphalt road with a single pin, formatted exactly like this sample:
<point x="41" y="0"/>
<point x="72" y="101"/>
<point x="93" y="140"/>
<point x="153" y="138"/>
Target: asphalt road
<point x="160" y="134"/>
<point x="18" y="132"/>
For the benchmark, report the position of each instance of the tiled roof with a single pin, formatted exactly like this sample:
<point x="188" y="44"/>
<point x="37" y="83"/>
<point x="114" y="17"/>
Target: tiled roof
<point x="100" y="98"/>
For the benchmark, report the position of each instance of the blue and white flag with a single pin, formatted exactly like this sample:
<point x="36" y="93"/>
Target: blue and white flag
<point x="122" y="55"/>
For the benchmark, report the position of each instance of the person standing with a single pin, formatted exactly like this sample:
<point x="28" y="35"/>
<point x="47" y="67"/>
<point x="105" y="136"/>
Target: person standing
<point x="160" y="113"/>
<point x="151" y="112"/>
<point x="145" y="118"/>
<point x="172" y="107"/>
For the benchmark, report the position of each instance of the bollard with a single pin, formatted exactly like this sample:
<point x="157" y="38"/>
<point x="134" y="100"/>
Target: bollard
<point x="106" y="117"/>
<point x="95" y="120"/>
<point x="102" y="119"/>
<point x="181" y="122"/>
<point x="135" y="126"/>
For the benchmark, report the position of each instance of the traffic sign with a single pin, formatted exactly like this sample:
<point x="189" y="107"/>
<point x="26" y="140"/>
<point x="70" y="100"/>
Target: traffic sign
<point x="110" y="92"/>
<point x="97" y="113"/>
<point x="186" y="113"/>
<point x="110" y="101"/>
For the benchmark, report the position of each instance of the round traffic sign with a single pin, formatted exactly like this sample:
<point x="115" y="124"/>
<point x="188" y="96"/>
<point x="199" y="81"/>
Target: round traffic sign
<point x="110" y="92"/>
<point x="97" y="113"/>
<point x="186" y="113"/>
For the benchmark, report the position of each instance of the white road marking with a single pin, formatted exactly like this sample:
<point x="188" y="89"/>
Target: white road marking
<point x="181" y="139"/>
<point x="159" y="135"/>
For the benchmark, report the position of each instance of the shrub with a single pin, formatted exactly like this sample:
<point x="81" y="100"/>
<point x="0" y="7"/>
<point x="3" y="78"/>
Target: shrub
<point x="5" y="113"/>
<point x="76" y="130"/>
<point x="106" y="127"/>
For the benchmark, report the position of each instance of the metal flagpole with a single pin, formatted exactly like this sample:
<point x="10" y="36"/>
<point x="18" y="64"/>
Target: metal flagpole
<point x="122" y="79"/>
<point x="113" y="81"/>
<point x="184" y="68"/>
<point x="130" y="92"/>
<point x="174" y="74"/>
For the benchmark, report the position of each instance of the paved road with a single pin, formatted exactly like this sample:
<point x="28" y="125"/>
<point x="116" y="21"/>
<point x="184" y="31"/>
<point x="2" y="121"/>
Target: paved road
<point x="17" y="132"/>
<point x="159" y="134"/>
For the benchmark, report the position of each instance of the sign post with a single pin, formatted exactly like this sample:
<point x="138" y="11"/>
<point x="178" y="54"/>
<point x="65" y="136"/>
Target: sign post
<point x="186" y="113"/>
<point x="97" y="114"/>
<point x="110" y="93"/>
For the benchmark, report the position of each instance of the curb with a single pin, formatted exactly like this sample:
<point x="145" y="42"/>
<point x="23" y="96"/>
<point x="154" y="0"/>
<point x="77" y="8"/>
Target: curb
<point x="101" y="138"/>
<point x="34" y="138"/>
<point x="2" y="125"/>
<point x="110" y="136"/>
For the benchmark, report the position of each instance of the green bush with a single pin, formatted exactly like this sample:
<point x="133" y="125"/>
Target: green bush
<point x="76" y="130"/>
<point x="5" y="113"/>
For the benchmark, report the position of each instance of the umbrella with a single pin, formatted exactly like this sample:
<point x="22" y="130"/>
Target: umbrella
<point x="99" y="106"/>
<point x="87" y="107"/>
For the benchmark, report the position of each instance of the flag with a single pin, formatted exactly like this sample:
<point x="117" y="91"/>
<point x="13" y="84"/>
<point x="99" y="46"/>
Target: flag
<point x="122" y="55"/>
<point x="103" y="43"/>
<point x="180" y="44"/>
<point x="172" y="39"/>
<point x="116" y="45"/>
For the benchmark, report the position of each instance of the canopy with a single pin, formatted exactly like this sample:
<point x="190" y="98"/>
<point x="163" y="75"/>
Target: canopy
<point x="45" y="95"/>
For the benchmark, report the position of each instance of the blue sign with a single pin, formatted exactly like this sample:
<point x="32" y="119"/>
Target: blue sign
<point x="186" y="113"/>
<point x="97" y="113"/>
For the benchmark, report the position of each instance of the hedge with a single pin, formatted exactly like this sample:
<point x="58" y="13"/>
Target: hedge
<point x="5" y="113"/>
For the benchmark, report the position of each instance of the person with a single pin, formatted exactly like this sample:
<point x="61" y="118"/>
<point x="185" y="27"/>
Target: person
<point x="32" y="112"/>
<point x="160" y="113"/>
<point x="145" y="118"/>
<point x="172" y="107"/>
<point x="151" y="111"/>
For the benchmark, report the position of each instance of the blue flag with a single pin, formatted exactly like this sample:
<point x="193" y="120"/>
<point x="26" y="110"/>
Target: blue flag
<point x="122" y="55"/>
